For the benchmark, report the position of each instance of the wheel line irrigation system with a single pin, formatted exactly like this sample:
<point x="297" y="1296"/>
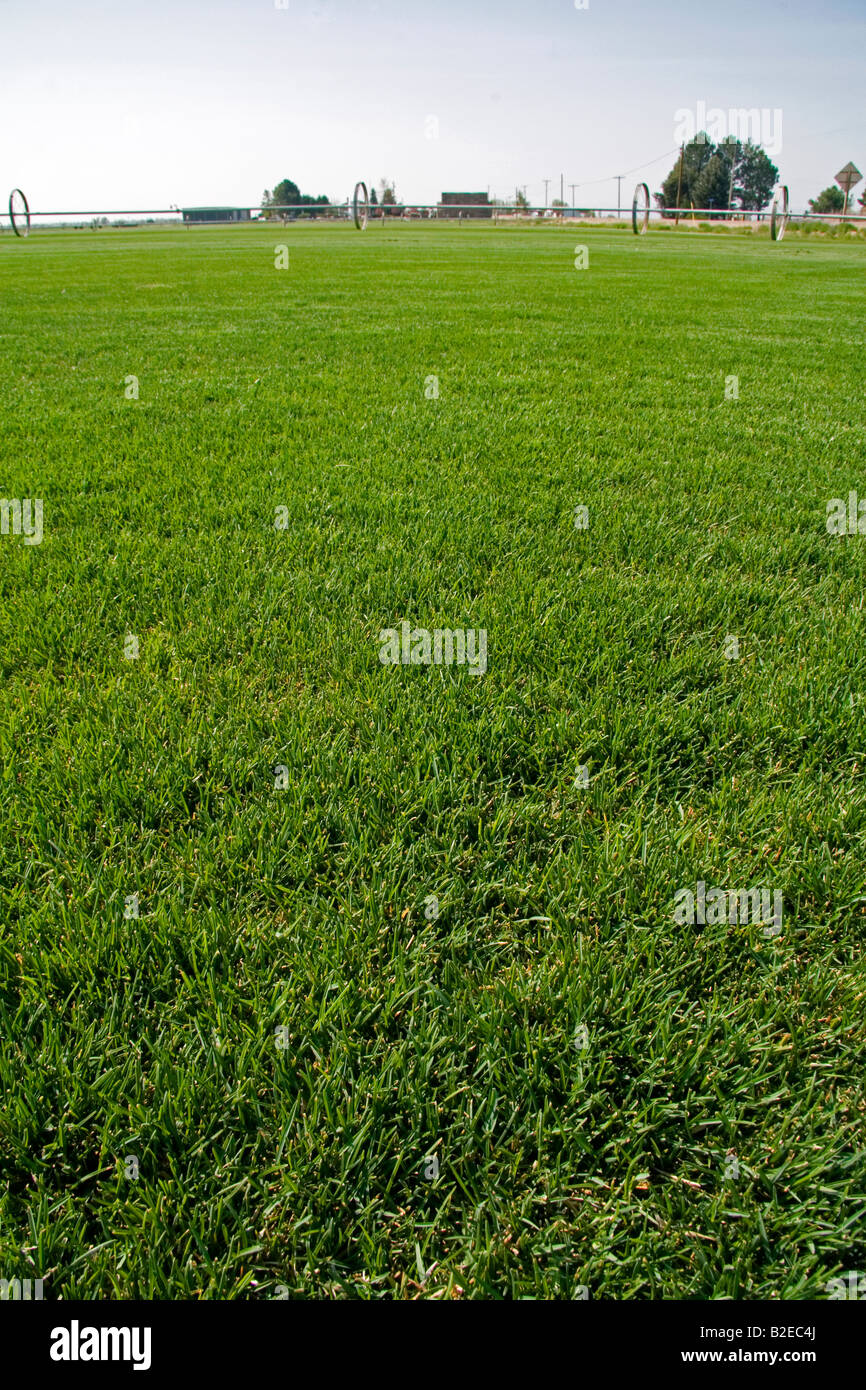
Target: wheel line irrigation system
<point x="359" y="210"/>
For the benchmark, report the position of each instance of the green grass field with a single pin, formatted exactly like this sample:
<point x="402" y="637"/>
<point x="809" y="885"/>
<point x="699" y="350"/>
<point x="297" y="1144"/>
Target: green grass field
<point x="289" y="1032"/>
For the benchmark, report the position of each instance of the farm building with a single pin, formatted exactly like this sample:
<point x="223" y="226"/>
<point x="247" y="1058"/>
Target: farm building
<point x="452" y="203"/>
<point x="216" y="214"/>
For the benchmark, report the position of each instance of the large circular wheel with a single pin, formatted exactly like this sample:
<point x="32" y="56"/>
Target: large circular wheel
<point x="19" y="213"/>
<point x="779" y="214"/>
<point x="361" y="206"/>
<point x="640" y="209"/>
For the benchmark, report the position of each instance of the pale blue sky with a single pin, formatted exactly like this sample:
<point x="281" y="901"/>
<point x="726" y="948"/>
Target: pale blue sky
<point x="137" y="103"/>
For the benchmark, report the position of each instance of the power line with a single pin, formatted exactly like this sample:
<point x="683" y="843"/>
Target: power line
<point x="591" y="183"/>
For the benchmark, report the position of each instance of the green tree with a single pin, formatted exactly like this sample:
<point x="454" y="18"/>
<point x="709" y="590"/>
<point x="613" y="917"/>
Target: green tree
<point x="389" y="196"/>
<point x="755" y="177"/>
<point x="727" y="175"/>
<point x="695" y="156"/>
<point x="520" y="199"/>
<point x="830" y="199"/>
<point x="711" y="188"/>
<point x="308" y="201"/>
<point x="285" y="193"/>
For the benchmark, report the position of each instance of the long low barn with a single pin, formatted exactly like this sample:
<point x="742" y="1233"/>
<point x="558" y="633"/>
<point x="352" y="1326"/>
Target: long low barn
<point x="461" y="205"/>
<point x="216" y="214"/>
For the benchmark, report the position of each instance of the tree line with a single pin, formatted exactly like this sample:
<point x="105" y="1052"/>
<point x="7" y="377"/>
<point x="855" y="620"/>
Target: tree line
<point x="731" y="176"/>
<point x="286" y="193"/>
<point x="832" y="199"/>
<point x="734" y="175"/>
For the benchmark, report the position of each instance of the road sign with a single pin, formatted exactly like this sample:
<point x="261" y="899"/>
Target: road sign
<point x="846" y="179"/>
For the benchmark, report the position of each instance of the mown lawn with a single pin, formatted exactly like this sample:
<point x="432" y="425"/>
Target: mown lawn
<point x="292" y="1029"/>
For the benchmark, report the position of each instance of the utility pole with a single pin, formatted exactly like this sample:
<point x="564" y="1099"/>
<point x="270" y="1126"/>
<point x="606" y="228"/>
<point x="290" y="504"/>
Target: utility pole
<point x="546" y="186"/>
<point x="572" y="186"/>
<point x="680" y="182"/>
<point x="733" y="151"/>
<point x="619" y="179"/>
<point x="561" y="194"/>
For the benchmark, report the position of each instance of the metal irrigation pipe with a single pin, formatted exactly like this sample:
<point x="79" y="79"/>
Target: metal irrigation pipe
<point x="398" y="209"/>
